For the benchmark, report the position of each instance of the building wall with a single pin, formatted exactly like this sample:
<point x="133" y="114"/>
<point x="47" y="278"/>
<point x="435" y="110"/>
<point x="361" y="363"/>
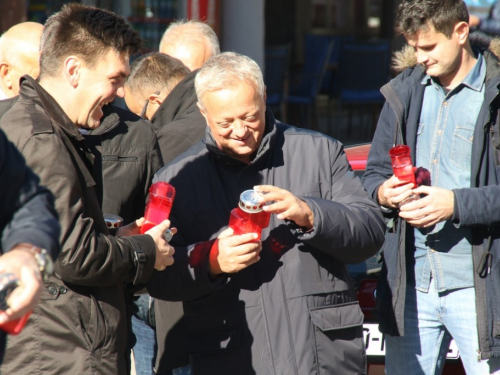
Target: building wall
<point x="11" y="12"/>
<point x="243" y="28"/>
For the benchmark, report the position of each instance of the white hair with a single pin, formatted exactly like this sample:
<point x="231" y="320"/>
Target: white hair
<point x="225" y="70"/>
<point x="190" y="32"/>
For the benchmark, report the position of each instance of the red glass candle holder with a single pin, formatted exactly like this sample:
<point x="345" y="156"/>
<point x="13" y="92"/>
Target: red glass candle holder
<point x="402" y="165"/>
<point x="159" y="204"/>
<point x="249" y="217"/>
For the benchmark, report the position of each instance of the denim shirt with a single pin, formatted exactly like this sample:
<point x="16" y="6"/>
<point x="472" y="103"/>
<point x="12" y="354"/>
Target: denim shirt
<point x="444" y="145"/>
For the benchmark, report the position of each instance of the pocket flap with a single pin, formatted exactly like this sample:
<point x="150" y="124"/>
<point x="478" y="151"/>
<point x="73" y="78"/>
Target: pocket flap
<point x="329" y="318"/>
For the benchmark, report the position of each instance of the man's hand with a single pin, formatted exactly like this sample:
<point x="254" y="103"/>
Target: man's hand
<point x="437" y="205"/>
<point x="131" y="229"/>
<point x="24" y="298"/>
<point x="390" y="194"/>
<point x="235" y="253"/>
<point x="164" y="252"/>
<point x="286" y="205"/>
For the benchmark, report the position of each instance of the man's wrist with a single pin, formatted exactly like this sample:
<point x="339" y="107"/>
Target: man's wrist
<point x="42" y="257"/>
<point x="213" y="262"/>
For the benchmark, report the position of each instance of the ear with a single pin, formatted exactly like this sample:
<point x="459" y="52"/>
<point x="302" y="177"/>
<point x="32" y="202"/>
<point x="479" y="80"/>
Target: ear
<point x="462" y="31"/>
<point x="265" y="94"/>
<point x="156" y="99"/>
<point x="5" y="75"/>
<point x="202" y="111"/>
<point x="72" y="70"/>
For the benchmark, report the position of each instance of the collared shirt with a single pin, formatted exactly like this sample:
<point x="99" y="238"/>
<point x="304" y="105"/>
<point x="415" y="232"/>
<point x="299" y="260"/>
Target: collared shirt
<point x="444" y="145"/>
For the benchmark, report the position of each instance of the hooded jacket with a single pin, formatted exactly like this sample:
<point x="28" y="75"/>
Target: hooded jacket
<point x="178" y="122"/>
<point x="295" y="310"/>
<point x="79" y="326"/>
<point x="477" y="206"/>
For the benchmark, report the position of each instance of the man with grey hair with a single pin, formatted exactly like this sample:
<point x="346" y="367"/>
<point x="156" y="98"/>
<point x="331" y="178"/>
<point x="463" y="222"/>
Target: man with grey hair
<point x="282" y="303"/>
<point x="193" y="42"/>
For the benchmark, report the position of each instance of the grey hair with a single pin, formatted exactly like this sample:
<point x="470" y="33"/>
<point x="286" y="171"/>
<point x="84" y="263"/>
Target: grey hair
<point x="188" y="32"/>
<point x="225" y="70"/>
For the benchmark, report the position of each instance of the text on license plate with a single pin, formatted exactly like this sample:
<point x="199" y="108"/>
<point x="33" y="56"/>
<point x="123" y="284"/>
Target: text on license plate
<point x="375" y="343"/>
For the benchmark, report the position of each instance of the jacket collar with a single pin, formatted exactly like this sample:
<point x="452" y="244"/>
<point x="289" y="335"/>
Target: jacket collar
<point x="109" y="121"/>
<point x="32" y="90"/>
<point x="180" y="100"/>
<point x="268" y="141"/>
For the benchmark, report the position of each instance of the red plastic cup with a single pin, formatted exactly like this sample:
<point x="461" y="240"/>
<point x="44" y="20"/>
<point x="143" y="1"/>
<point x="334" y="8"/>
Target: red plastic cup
<point x="249" y="217"/>
<point x="161" y="197"/>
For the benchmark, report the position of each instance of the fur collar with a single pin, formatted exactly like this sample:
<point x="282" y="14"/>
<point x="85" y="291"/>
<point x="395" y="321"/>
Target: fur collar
<point x="405" y="58"/>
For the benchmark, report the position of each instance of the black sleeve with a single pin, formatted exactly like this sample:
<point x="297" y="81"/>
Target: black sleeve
<point x="27" y="209"/>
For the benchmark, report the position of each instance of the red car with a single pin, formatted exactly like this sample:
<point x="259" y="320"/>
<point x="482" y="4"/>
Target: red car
<point x="365" y="277"/>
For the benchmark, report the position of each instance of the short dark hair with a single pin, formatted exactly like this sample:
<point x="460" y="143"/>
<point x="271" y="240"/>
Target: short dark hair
<point x="414" y="16"/>
<point x="155" y="72"/>
<point x="84" y="31"/>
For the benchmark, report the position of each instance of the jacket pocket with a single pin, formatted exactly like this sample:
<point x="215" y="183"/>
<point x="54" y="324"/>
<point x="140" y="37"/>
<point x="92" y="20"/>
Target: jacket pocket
<point x="118" y="158"/>
<point x="461" y="148"/>
<point x="338" y="339"/>
<point x="92" y="322"/>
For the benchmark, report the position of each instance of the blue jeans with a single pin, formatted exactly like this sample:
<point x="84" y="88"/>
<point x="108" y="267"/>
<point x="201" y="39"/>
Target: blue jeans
<point x="431" y="321"/>
<point x="143" y="328"/>
<point x="145" y="347"/>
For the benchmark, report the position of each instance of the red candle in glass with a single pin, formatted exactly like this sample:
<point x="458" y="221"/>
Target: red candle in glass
<point x="249" y="217"/>
<point x="402" y="165"/>
<point x="159" y="204"/>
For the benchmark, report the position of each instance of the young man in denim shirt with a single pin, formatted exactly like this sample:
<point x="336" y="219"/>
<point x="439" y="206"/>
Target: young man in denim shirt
<point x="438" y="276"/>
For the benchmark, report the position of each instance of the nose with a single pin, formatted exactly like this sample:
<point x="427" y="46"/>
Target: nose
<point x="421" y="57"/>
<point x="120" y="92"/>
<point x="239" y="129"/>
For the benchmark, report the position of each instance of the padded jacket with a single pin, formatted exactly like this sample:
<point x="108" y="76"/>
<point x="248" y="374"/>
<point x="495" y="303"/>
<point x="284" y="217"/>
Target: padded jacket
<point x="295" y="310"/>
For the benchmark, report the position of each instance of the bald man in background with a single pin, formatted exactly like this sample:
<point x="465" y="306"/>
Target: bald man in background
<point x="19" y="55"/>
<point x="193" y="42"/>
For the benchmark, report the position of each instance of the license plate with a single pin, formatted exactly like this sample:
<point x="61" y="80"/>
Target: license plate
<point x="375" y="343"/>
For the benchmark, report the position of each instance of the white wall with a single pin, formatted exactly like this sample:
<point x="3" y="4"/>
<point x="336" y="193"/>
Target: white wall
<point x="242" y="23"/>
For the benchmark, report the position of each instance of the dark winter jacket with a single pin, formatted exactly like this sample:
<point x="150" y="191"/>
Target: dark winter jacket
<point x="179" y="125"/>
<point x="295" y="310"/>
<point x="127" y="157"/>
<point x="79" y="326"/>
<point x="27" y="211"/>
<point x="477" y="207"/>
<point x="178" y="122"/>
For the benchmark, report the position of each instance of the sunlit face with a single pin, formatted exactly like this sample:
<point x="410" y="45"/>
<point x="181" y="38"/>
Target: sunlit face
<point x="236" y="117"/>
<point x="99" y="86"/>
<point x="440" y="56"/>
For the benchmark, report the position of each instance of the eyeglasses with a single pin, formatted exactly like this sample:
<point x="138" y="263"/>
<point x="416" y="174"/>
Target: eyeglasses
<point x="145" y="108"/>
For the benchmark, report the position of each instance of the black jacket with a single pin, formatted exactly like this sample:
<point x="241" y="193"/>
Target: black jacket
<point x="127" y="157"/>
<point x="79" y="326"/>
<point x="295" y="310"/>
<point x="27" y="211"/>
<point x="477" y="206"/>
<point x="178" y="122"/>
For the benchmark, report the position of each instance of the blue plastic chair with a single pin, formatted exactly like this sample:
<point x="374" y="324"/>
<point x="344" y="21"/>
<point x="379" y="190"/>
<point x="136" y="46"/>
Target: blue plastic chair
<point x="305" y="87"/>
<point x="277" y="61"/>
